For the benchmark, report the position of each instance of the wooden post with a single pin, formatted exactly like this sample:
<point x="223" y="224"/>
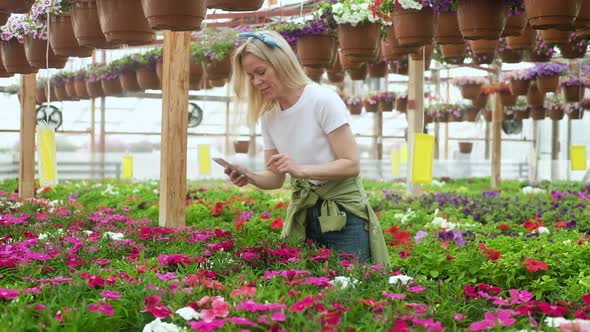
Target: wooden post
<point x="534" y="158"/>
<point x="436" y="79"/>
<point x="415" y="115"/>
<point x="446" y="141"/>
<point x="379" y="124"/>
<point x="568" y="147"/>
<point x="554" y="150"/>
<point x="497" y="141"/>
<point x="487" y="141"/>
<point x="26" y="170"/>
<point x="228" y="146"/>
<point x="93" y="127"/>
<point x="175" y="87"/>
<point x="102" y="137"/>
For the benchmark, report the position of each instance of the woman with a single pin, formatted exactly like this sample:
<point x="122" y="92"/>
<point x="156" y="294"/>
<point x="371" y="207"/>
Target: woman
<point x="306" y="135"/>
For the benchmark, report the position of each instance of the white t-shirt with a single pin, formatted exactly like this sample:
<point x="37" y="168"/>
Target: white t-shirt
<point x="301" y="131"/>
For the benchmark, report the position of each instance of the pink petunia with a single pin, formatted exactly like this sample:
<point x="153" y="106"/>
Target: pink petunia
<point x="278" y="316"/>
<point x="241" y="321"/>
<point x="244" y="291"/>
<point x="250" y="305"/>
<point x="8" y="294"/>
<point x="416" y="289"/>
<point x="111" y="295"/>
<point x="166" y="276"/>
<point x="394" y="296"/>
<point x="204" y="326"/>
<point x="102" y="307"/>
<point x="158" y="311"/>
<point x="219" y="309"/>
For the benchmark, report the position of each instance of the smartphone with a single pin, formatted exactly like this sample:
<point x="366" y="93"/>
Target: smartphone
<point x="225" y="164"/>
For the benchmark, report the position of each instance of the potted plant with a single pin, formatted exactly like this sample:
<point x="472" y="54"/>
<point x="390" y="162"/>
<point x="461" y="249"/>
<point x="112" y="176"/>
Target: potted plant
<point x="401" y="102"/>
<point x="109" y="79"/>
<point x="517" y="20"/>
<point x="70" y="85"/>
<point x="80" y="84"/>
<point x="575" y="111"/>
<point x="287" y="30"/>
<point x="86" y="25"/>
<point x="573" y="88"/>
<point x="358" y="73"/>
<point x="371" y="103"/>
<point x="93" y="78"/>
<point x="377" y="69"/>
<point x="465" y="147"/>
<point x="524" y="41"/>
<point x="453" y="54"/>
<point x="482" y="100"/>
<point x="470" y="113"/>
<point x="482" y="19"/>
<point x="483" y="50"/>
<point x="541" y="52"/>
<point x="61" y="32"/>
<point x="123" y="22"/>
<point x="447" y="32"/>
<point x="184" y="15"/>
<point x="508" y="54"/>
<point x="415" y="21"/>
<point x="355" y="105"/>
<point x="470" y="86"/>
<point x="550" y="14"/>
<point x="547" y="75"/>
<point x="506" y="96"/>
<point x="17" y="6"/>
<point x="12" y="46"/>
<point x="554" y="36"/>
<point x="126" y="68"/>
<point x="575" y="47"/>
<point x="316" y="43"/>
<point x="315" y="73"/>
<point x="534" y="97"/>
<point x="386" y="101"/>
<point x="58" y="85"/>
<point x="554" y="107"/>
<point x="213" y="48"/>
<point x="147" y="77"/>
<point x="36" y="40"/>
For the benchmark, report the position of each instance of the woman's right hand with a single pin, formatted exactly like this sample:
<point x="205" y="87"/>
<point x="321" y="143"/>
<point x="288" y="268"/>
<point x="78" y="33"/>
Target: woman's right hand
<point x="237" y="175"/>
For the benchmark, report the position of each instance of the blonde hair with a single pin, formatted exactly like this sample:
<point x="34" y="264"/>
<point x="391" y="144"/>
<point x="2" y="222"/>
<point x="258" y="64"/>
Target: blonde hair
<point x="282" y="59"/>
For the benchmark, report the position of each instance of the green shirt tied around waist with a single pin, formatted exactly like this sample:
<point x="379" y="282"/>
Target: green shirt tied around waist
<point x="350" y="195"/>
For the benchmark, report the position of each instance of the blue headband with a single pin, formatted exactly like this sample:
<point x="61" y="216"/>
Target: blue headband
<point x="267" y="40"/>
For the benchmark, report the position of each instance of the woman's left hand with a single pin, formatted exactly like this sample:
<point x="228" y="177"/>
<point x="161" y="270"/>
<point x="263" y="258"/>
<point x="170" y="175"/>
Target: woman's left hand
<point x="282" y="164"/>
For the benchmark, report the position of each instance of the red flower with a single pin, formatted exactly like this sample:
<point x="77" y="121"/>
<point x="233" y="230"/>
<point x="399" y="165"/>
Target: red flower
<point x="503" y="227"/>
<point x="400" y="238"/>
<point x="281" y="205"/>
<point x="217" y="210"/>
<point x="277" y="223"/>
<point x="532" y="225"/>
<point x="491" y="254"/>
<point x="552" y="310"/>
<point x="586" y="298"/>
<point x="534" y="265"/>
<point x="561" y="224"/>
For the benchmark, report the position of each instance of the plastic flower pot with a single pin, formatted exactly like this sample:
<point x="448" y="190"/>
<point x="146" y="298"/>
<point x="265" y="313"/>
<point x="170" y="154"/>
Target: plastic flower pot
<point x="314" y="73"/>
<point x="471" y="91"/>
<point x="413" y="27"/>
<point x="481" y="19"/>
<point x="515" y="25"/>
<point x="36" y="53"/>
<point x="86" y="25"/>
<point x="71" y="90"/>
<point x="336" y="76"/>
<point x="465" y="147"/>
<point x="398" y="52"/>
<point x="385" y="106"/>
<point x="316" y="50"/>
<point x="551" y="14"/>
<point x="555" y="113"/>
<point x="538" y="113"/>
<point x="178" y="15"/>
<point x="241" y="146"/>
<point x="519" y="87"/>
<point x="401" y="104"/>
<point x="448" y="31"/>
<point x="555" y="37"/>
<point x="81" y="90"/>
<point x="507" y="98"/>
<point x="123" y="22"/>
<point x="359" y="42"/>
<point x="14" y="58"/>
<point x="129" y="81"/>
<point x="235" y="5"/>
<point x="576" y="114"/>
<point x="60" y="92"/>
<point x="94" y="89"/>
<point x="112" y="87"/>
<point x="471" y="114"/>
<point x="216" y="70"/>
<point x="481" y="101"/>
<point x="548" y="83"/>
<point x="535" y="56"/>
<point x="378" y="70"/>
<point x="148" y="79"/>
<point x="16" y="6"/>
<point x="526" y="40"/>
<point x="573" y="93"/>
<point x="62" y="38"/>
<point x="512" y="56"/>
<point x="534" y="97"/>
<point x="371" y="108"/>
<point x="355" y="109"/>
<point x="453" y="51"/>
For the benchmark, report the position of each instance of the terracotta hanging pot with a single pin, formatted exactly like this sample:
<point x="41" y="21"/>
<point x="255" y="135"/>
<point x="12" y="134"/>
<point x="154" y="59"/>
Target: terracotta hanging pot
<point x="471" y="91"/>
<point x="336" y="76"/>
<point x="573" y="94"/>
<point x="316" y="50"/>
<point x="555" y="113"/>
<point x="414" y="27"/>
<point x="148" y="79"/>
<point x="62" y="38"/>
<point x="534" y="97"/>
<point x="112" y="87"/>
<point x="525" y="41"/>
<point x="14" y="58"/>
<point x="481" y="19"/>
<point x="129" y="81"/>
<point x="484" y="46"/>
<point x="515" y="25"/>
<point x="519" y="87"/>
<point x="81" y="90"/>
<point x="370" y="108"/>
<point x="378" y="70"/>
<point x="481" y="101"/>
<point x="573" y="50"/>
<point x="512" y="56"/>
<point x="355" y="109"/>
<point x="538" y="113"/>
<point x="87" y="26"/>
<point x="576" y="114"/>
<point x="453" y="53"/>
<point x="583" y="33"/>
<point x="507" y="98"/>
<point x="465" y="147"/>
<point x="196" y="71"/>
<point x="241" y="146"/>
<point x="548" y="83"/>
<point x="386" y="106"/>
<point x="16" y="6"/>
<point x="448" y="29"/>
<point x="360" y="42"/>
<point x="4" y="17"/>
<point x="71" y="89"/>
<point x="347" y="62"/>
<point x="94" y="89"/>
<point x="534" y="56"/>
<point x="178" y="15"/>
<point x="551" y="14"/>
<point x="60" y="93"/>
<point x="358" y="74"/>
<point x="123" y="22"/>
<point x="401" y="104"/>
<point x="398" y="52"/>
<point x="424" y="54"/>
<point x="235" y="5"/>
<point x="36" y="51"/>
<point x="554" y="37"/>
<point x="218" y="69"/>
<point x="471" y="114"/>
<point x="583" y="19"/>
<point x="522" y="115"/>
<point x="314" y="73"/>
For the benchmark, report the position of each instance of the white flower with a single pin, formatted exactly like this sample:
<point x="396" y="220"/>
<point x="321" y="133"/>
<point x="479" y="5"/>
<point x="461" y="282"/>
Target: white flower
<point x="113" y="236"/>
<point x="532" y="191"/>
<point x="158" y="326"/>
<point x="574" y="325"/>
<point x="437" y="183"/>
<point x="543" y="230"/>
<point x="405" y="217"/>
<point x="343" y="282"/>
<point x="401" y="279"/>
<point x="87" y="232"/>
<point x="188" y="313"/>
<point x="443" y="223"/>
<point x="42" y="236"/>
<point x="410" y="4"/>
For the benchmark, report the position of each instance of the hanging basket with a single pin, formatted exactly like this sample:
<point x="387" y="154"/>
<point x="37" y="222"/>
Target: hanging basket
<point x="413" y="27"/>
<point x="533" y="56"/>
<point x="359" y="43"/>
<point x="512" y="56"/>
<point x="534" y="97"/>
<point x="522" y="115"/>
<point x="523" y="42"/>
<point x="515" y="25"/>
<point x="583" y="19"/>
<point x="112" y="87"/>
<point x="179" y="15"/>
<point x="16" y="6"/>
<point x="371" y="108"/>
<point x="453" y="53"/>
<point x="551" y="14"/>
<point x="196" y="71"/>
<point x="123" y="22"/>
<point x="398" y="52"/>
<point x="574" y="93"/>
<point x="448" y="29"/>
<point x="386" y="106"/>
<point x="60" y="93"/>
<point x="241" y="146"/>
<point x="483" y="46"/>
<point x="548" y="83"/>
<point x="129" y="81"/>
<point x="14" y="58"/>
<point x="94" y="89"/>
<point x="71" y="90"/>
<point x="348" y="63"/>
<point x="554" y="37"/>
<point x="378" y="70"/>
<point x="217" y="83"/>
<point x="148" y="79"/>
<point x="519" y="87"/>
<point x="314" y="73"/>
<point x="36" y="52"/>
<point x="235" y="5"/>
<point x="316" y="50"/>
<point x="555" y="113"/>
<point x="573" y="50"/>
<point x="81" y="90"/>
<point x="507" y="98"/>
<point x="401" y="104"/>
<point x="87" y="26"/>
<point x="336" y="76"/>
<point x="576" y="114"/>
<point x="4" y="17"/>
<point x="355" y="109"/>
<point x="481" y="19"/>
<point x="217" y="70"/>
<point x="538" y="113"/>
<point x="359" y="73"/>
<point x="471" y="91"/>
<point x="471" y="114"/>
<point x="481" y="101"/>
<point x="465" y="147"/>
<point x="424" y="54"/>
<point x="62" y="38"/>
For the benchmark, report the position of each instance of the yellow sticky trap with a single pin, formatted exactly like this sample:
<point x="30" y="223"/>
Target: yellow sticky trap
<point x="578" y="153"/>
<point x="127" y="167"/>
<point x="404" y="154"/>
<point x="423" y="158"/>
<point x="395" y="162"/>
<point x="46" y="155"/>
<point x="204" y="156"/>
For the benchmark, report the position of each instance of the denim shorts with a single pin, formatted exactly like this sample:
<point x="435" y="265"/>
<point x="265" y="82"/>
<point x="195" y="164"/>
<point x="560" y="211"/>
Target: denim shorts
<point x="352" y="239"/>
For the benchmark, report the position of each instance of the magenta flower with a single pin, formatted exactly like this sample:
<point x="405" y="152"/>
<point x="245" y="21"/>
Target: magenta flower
<point x="8" y="294"/>
<point x="204" y="326"/>
<point x="502" y="318"/>
<point x="250" y="305"/>
<point x="166" y="276"/>
<point x="111" y="295"/>
<point x="394" y="296"/>
<point x="102" y="307"/>
<point x="219" y="309"/>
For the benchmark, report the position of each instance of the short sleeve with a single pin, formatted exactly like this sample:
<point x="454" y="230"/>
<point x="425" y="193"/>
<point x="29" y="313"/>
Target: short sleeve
<point x="334" y="112"/>
<point x="266" y="137"/>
